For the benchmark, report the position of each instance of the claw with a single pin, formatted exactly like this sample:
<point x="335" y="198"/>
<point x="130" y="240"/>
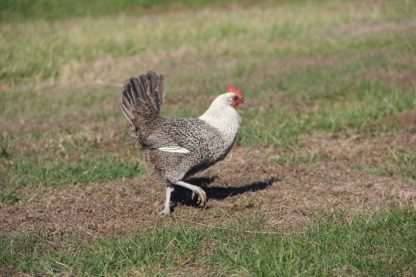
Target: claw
<point x="202" y="197"/>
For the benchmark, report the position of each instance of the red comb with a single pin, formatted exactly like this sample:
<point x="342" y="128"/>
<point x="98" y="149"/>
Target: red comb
<point x="236" y="91"/>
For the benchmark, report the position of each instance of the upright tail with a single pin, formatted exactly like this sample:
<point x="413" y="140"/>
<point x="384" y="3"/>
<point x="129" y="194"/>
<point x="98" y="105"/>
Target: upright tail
<point x="142" y="98"/>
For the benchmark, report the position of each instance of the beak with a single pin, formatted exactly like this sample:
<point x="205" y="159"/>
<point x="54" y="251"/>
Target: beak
<point x="240" y="101"/>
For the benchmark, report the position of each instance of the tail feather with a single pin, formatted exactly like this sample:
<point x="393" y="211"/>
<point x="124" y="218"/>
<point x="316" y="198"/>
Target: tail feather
<point x="142" y="98"/>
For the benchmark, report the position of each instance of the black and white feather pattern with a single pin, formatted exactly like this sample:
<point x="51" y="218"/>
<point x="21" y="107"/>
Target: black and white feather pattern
<point x="177" y="147"/>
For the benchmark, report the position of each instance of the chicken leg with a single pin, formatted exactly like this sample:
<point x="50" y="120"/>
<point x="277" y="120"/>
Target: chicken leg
<point x="195" y="190"/>
<point x="166" y="209"/>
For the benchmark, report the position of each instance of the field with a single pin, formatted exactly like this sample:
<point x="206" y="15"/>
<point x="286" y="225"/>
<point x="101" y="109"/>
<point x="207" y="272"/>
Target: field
<point x="322" y="181"/>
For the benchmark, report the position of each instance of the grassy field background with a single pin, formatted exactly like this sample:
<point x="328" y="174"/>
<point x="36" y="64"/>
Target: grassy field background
<point x="322" y="180"/>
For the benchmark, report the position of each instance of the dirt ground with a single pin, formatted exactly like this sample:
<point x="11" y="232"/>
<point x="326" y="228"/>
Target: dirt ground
<point x="249" y="184"/>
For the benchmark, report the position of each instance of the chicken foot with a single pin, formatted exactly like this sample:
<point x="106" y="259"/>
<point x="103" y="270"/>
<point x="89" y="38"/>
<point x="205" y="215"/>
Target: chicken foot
<point x="202" y="197"/>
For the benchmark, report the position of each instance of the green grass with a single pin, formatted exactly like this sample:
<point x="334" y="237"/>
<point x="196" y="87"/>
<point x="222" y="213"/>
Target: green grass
<point x="24" y="10"/>
<point x="381" y="244"/>
<point x="43" y="105"/>
<point x="370" y="104"/>
<point x="42" y="52"/>
<point x="369" y="245"/>
<point x="59" y="173"/>
<point x="9" y="198"/>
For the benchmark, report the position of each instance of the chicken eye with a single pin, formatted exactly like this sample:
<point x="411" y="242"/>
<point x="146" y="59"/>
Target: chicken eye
<point x="235" y="98"/>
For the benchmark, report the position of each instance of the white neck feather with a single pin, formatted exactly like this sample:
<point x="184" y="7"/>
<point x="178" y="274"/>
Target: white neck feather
<point x="223" y="117"/>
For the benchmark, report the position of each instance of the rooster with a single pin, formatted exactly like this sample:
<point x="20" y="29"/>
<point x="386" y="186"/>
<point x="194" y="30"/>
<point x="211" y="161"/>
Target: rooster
<point x="176" y="148"/>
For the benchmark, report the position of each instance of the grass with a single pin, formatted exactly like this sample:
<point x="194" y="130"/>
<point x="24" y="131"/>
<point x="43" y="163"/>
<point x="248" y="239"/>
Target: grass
<point x="362" y="247"/>
<point x="22" y="10"/>
<point x="53" y="174"/>
<point x="48" y="53"/>
<point x="379" y="244"/>
<point x="9" y="198"/>
<point x="370" y="104"/>
<point x="331" y="69"/>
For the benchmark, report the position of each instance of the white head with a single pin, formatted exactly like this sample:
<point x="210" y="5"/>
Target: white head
<point x="223" y="108"/>
<point x="222" y="114"/>
<point x="232" y="98"/>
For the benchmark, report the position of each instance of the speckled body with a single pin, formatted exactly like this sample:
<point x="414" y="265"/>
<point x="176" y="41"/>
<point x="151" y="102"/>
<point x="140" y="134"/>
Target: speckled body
<point x="205" y="143"/>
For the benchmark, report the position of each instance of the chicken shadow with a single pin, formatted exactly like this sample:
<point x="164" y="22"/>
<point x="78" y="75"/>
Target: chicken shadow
<point x="184" y="196"/>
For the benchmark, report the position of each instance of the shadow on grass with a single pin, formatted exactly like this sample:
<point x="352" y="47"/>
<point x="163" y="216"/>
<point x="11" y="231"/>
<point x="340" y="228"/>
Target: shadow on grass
<point x="184" y="196"/>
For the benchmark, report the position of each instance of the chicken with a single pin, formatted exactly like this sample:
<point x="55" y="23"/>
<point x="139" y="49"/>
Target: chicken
<point x="176" y="148"/>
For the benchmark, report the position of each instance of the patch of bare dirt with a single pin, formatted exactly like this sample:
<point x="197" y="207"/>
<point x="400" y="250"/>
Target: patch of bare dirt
<point x="406" y="120"/>
<point x="249" y="183"/>
<point x="393" y="77"/>
<point x="3" y="86"/>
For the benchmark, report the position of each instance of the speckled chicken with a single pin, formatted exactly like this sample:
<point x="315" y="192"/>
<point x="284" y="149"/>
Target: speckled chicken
<point x="175" y="148"/>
